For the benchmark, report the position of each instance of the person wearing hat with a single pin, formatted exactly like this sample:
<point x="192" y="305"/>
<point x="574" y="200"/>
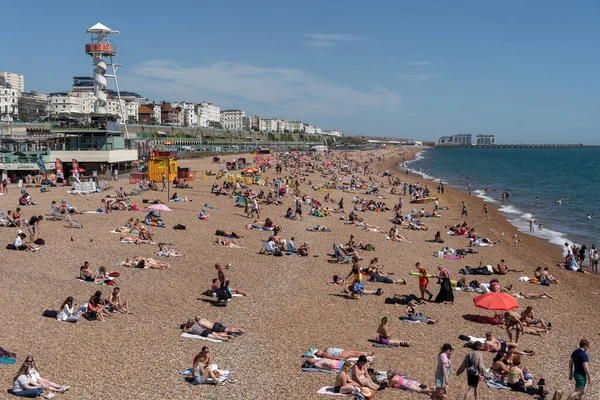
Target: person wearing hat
<point x="442" y="371"/>
<point x="19" y="244"/>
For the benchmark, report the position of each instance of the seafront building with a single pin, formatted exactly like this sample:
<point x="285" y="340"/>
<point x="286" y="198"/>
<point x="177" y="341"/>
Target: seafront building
<point x="12" y="81"/>
<point x="485" y="140"/>
<point x="456" y="140"/>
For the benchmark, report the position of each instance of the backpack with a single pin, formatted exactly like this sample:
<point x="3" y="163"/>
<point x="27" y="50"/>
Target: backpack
<point x="179" y="227"/>
<point x="50" y="313"/>
<point x="369" y="247"/>
<point x="471" y="368"/>
<point x="39" y="241"/>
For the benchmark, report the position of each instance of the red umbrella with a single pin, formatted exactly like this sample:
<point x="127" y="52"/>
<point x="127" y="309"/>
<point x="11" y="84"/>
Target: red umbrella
<point x="327" y="163"/>
<point x="496" y="301"/>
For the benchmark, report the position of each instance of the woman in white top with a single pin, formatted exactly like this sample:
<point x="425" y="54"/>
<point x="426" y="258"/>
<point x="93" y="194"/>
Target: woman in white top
<point x="23" y="384"/>
<point x="66" y="311"/>
<point x="46" y="384"/>
<point x="594" y="259"/>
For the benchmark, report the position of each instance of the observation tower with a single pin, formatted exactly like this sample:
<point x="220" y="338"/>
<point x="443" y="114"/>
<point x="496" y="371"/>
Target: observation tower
<point x="102" y="52"/>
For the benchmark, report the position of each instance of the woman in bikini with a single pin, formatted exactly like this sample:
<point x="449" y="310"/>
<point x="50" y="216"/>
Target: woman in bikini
<point x="142" y="262"/>
<point x="343" y="383"/>
<point x="384" y="335"/>
<point x="397" y="381"/>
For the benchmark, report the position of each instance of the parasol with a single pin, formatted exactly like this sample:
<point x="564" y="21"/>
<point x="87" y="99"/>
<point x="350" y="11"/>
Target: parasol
<point x="496" y="301"/>
<point x="159" y="207"/>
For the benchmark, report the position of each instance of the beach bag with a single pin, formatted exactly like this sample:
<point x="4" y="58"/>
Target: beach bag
<point x="471" y="368"/>
<point x="369" y="247"/>
<point x="50" y="313"/>
<point x="39" y="241"/>
<point x="179" y="227"/>
<point x="358" y="288"/>
<point x="10" y="246"/>
<point x="114" y="274"/>
<point x="224" y="294"/>
<point x="278" y="253"/>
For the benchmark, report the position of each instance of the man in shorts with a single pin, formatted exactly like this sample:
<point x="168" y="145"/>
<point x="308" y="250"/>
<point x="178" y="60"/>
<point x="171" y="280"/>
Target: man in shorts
<point x="299" y="208"/>
<point x="464" y="211"/>
<point x="579" y="370"/>
<point x="473" y="365"/>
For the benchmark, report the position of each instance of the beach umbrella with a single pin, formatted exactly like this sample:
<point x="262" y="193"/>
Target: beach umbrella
<point x="327" y="163"/>
<point x="159" y="207"/>
<point x="250" y="170"/>
<point x="496" y="301"/>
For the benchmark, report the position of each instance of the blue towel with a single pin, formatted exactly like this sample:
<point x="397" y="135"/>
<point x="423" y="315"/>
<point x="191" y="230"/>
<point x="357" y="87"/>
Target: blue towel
<point x="496" y="385"/>
<point x="325" y="371"/>
<point x="7" y="360"/>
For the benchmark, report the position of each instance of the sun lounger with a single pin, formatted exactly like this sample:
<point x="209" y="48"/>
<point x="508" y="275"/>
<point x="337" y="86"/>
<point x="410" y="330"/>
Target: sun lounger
<point x="266" y="249"/>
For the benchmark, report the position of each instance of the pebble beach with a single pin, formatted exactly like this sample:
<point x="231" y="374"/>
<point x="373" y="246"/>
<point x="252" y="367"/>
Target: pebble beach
<point x="290" y="307"/>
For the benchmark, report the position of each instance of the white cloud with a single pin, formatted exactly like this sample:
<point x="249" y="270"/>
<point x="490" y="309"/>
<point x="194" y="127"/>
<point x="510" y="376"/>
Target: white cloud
<point x="322" y="40"/>
<point x="418" y="63"/>
<point x="277" y="89"/>
<point x="418" y="77"/>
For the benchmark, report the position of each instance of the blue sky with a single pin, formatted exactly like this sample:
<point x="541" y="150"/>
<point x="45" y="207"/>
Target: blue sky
<point x="526" y="71"/>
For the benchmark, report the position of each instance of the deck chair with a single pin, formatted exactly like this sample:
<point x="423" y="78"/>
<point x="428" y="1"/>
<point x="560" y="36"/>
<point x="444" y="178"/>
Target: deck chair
<point x="55" y="215"/>
<point x="266" y="249"/>
<point x="72" y="222"/>
<point x="340" y="254"/>
<point x="6" y="222"/>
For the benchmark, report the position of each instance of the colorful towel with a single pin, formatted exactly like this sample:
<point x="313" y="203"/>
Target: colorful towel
<point x="452" y="257"/>
<point x="190" y="336"/>
<point x="330" y="390"/>
<point x="325" y="371"/>
<point x="496" y="385"/>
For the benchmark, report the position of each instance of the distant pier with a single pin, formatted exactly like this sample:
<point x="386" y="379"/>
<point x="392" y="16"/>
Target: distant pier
<point x="521" y="146"/>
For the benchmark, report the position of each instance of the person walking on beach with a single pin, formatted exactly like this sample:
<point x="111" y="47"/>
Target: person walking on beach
<point x="446" y="295"/>
<point x="473" y="365"/>
<point x="299" y="208"/>
<point x="486" y="211"/>
<point x="464" y="211"/>
<point x="531" y="225"/>
<point x="423" y="281"/>
<point x="5" y="186"/>
<point x="341" y="204"/>
<point x="594" y="256"/>
<point x="442" y="371"/>
<point x="579" y="370"/>
<point x="164" y="182"/>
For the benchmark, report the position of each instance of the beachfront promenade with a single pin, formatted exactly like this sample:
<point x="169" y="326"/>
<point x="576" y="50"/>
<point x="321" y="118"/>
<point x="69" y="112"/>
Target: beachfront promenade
<point x="520" y="146"/>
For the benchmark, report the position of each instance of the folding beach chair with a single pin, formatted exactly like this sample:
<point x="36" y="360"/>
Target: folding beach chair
<point x="55" y="215"/>
<point x="266" y="249"/>
<point x="340" y="254"/>
<point x="72" y="222"/>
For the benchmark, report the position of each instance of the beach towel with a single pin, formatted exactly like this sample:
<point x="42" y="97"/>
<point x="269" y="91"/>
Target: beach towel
<point x="452" y="257"/>
<point x="518" y="296"/>
<point x="330" y="390"/>
<point x="190" y="336"/>
<point x="524" y="279"/>
<point x="325" y="371"/>
<point x="7" y="357"/>
<point x="492" y="384"/>
<point x="224" y="375"/>
<point x="134" y="240"/>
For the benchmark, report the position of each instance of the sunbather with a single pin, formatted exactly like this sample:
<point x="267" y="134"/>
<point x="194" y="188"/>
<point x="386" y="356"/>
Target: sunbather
<point x="335" y="353"/>
<point x="216" y="286"/>
<point x="397" y="381"/>
<point x="384" y="334"/>
<point x="413" y="316"/>
<point x="227" y="243"/>
<point x="115" y="303"/>
<point x="28" y="382"/>
<point x="96" y="310"/>
<point x="495" y="345"/>
<point x="202" y="369"/>
<point x="145" y="236"/>
<point x="319" y="228"/>
<point x="67" y="208"/>
<point x="194" y="328"/>
<point x="535" y="296"/>
<point x="86" y="273"/>
<point x="361" y="375"/>
<point x="325" y="364"/>
<point x="164" y="251"/>
<point x="344" y="383"/>
<point x="217" y="327"/>
<point x="143" y="262"/>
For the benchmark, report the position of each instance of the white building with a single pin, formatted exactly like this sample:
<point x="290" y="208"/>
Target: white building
<point x="188" y="110"/>
<point x="296" y="127"/>
<point x="67" y="104"/>
<point x="233" y="119"/>
<point x="333" y="132"/>
<point x="462" y="140"/>
<point x="318" y="130"/>
<point x="445" y="141"/>
<point x="309" y="129"/>
<point x="486" y="139"/>
<point x="282" y="125"/>
<point x="208" y="114"/>
<point x="252" y="123"/>
<point x="9" y="104"/>
<point x="268" y="125"/>
<point x="13" y="81"/>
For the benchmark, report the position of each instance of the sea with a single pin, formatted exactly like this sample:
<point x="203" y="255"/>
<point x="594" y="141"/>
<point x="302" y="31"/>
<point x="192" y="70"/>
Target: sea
<point x="571" y="175"/>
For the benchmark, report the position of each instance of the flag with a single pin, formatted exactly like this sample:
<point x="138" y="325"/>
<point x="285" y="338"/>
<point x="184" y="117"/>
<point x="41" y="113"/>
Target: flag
<point x="59" y="169"/>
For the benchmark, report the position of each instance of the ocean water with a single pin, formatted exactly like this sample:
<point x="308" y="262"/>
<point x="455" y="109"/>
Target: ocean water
<point x="571" y="174"/>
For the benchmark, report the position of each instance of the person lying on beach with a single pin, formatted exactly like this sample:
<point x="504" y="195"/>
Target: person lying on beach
<point x="319" y="228"/>
<point x="384" y="335"/>
<point x="143" y="262"/>
<point x="335" y="353"/>
<point x="164" y="251"/>
<point x="145" y="236"/>
<point x="323" y="363"/>
<point x="203" y="370"/>
<point x="217" y="327"/>
<point x="395" y="236"/>
<point x="356" y="286"/>
<point x="413" y="316"/>
<point x="219" y="232"/>
<point x="148" y="201"/>
<point x="397" y="381"/>
<point x="176" y="198"/>
<point x="86" y="273"/>
<point x="216" y="287"/>
<point x="116" y="304"/>
<point x="503" y="269"/>
<point x="377" y="275"/>
<point x="227" y="243"/>
<point x="494" y="345"/>
<point x="535" y="296"/>
<point x="203" y="215"/>
<point x="194" y="328"/>
<point x="361" y="375"/>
